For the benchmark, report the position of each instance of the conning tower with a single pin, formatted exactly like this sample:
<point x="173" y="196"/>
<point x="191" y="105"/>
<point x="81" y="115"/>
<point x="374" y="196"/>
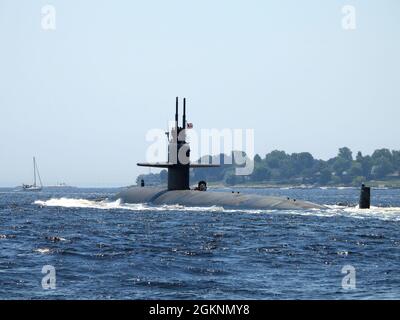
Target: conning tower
<point x="178" y="164"/>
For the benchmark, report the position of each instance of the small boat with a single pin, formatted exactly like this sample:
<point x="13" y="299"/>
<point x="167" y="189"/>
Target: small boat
<point x="34" y="186"/>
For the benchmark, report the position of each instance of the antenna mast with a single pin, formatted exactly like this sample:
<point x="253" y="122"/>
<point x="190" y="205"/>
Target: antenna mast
<point x="184" y="114"/>
<point x="176" y="117"/>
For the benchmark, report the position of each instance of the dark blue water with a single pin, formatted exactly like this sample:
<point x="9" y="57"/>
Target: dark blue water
<point x="106" y="250"/>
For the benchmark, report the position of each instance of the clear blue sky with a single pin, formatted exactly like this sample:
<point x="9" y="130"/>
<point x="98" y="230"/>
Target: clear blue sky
<point x="81" y="98"/>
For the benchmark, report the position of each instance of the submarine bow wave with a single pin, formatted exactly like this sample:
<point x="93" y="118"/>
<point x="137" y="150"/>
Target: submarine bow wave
<point x="382" y="213"/>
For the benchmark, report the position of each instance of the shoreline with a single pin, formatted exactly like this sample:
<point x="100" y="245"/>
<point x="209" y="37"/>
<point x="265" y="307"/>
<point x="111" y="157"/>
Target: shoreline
<point x="213" y="185"/>
<point x="302" y="186"/>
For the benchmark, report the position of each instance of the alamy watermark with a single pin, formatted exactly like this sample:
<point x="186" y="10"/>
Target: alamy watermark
<point x="48" y="18"/>
<point x="349" y="17"/>
<point x="236" y="145"/>
<point x="49" y="280"/>
<point x="349" y="280"/>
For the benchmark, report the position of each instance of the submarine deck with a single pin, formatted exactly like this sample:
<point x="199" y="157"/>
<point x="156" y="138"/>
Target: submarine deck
<point x="160" y="196"/>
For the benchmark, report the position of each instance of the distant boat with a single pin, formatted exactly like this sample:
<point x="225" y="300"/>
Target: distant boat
<point x="61" y="185"/>
<point x="34" y="186"/>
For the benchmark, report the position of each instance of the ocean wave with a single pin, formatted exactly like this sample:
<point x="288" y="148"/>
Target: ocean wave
<point x="43" y="250"/>
<point x="118" y="204"/>
<point x="383" y="213"/>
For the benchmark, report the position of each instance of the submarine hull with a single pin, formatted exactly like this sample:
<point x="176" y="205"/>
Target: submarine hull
<point x="192" y="198"/>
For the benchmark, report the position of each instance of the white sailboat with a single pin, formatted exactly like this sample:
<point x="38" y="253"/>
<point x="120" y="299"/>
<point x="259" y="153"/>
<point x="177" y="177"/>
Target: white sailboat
<point x="34" y="186"/>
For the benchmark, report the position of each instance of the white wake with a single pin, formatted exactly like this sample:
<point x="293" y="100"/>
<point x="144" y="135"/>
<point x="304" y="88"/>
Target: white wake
<point x="118" y="204"/>
<point x="383" y="213"/>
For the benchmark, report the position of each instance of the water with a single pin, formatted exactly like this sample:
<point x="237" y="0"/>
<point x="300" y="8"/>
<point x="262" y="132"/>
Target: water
<point x="107" y="250"/>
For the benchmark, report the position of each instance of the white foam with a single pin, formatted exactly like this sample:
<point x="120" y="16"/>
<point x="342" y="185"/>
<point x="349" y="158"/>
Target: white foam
<point x="383" y="213"/>
<point x="43" y="250"/>
<point x="79" y="203"/>
<point x="109" y="205"/>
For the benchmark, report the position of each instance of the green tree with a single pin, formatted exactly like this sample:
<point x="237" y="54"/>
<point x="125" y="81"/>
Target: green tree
<point x="381" y="154"/>
<point x="275" y="158"/>
<point x="356" y="169"/>
<point x="260" y="174"/>
<point x="301" y="161"/>
<point x="257" y="159"/>
<point x="396" y="160"/>
<point x="359" y="157"/>
<point x="325" y="177"/>
<point x="383" y="168"/>
<point x="346" y="154"/>
<point x="341" y="165"/>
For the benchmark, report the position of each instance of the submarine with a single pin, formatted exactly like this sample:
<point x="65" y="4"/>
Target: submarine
<point x="178" y="191"/>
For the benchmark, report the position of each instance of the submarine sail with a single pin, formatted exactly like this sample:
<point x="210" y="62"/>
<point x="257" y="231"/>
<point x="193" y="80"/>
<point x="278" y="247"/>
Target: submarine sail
<point x="178" y="163"/>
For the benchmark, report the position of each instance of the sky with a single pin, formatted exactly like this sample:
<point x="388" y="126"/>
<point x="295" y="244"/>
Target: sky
<point x="82" y="97"/>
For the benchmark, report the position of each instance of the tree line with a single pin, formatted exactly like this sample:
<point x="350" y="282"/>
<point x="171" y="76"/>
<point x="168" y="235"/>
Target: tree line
<point x="279" y="167"/>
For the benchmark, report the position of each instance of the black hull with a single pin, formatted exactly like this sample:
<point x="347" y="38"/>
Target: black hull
<point x="192" y="198"/>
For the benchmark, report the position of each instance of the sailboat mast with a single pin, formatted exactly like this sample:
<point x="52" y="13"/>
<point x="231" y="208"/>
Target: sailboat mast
<point x="34" y="172"/>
